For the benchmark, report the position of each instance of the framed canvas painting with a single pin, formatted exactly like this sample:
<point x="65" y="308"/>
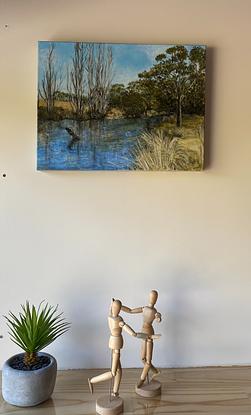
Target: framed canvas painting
<point x="120" y="106"/>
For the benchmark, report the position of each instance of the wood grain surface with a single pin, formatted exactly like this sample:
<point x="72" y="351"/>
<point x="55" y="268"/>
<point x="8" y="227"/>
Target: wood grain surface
<point x="184" y="391"/>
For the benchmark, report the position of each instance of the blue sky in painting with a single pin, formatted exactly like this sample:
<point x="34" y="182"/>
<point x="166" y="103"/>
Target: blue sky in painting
<point x="128" y="59"/>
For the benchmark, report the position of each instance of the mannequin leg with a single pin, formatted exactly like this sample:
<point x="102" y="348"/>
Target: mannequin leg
<point x="148" y="362"/>
<point x="115" y="361"/>
<point x="143" y="351"/>
<point x="106" y="375"/>
<point x="117" y="380"/>
<point x="155" y="371"/>
<point x="99" y="378"/>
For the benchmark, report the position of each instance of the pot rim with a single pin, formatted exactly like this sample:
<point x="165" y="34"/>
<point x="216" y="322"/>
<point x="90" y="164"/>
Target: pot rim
<point x="7" y="365"/>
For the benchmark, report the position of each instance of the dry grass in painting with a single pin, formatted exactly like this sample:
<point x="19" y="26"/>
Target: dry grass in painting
<point x="169" y="148"/>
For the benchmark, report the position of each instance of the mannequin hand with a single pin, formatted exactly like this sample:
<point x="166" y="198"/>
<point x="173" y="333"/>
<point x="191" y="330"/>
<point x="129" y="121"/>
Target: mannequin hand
<point x="143" y="336"/>
<point x="155" y="336"/>
<point x="158" y="317"/>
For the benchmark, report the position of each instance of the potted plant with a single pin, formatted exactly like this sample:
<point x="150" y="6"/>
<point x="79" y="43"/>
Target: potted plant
<point x="29" y="378"/>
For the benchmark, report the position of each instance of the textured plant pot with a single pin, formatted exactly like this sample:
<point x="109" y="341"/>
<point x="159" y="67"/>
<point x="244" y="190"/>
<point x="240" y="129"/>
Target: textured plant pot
<point x="28" y="388"/>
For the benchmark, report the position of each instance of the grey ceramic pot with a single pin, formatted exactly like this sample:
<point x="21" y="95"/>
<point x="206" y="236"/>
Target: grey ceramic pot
<point x="28" y="388"/>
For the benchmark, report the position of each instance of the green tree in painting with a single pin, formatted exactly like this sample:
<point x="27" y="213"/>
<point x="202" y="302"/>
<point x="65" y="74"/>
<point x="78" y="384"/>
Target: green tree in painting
<point x="115" y="96"/>
<point x="195" y="100"/>
<point x="145" y="90"/>
<point x="133" y="101"/>
<point x="175" y="75"/>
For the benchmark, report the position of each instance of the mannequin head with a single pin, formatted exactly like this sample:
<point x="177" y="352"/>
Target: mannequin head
<point x="153" y="297"/>
<point x="116" y="307"/>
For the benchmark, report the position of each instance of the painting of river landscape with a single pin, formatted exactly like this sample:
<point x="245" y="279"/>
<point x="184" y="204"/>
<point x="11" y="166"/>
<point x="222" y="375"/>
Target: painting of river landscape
<point x="120" y="106"/>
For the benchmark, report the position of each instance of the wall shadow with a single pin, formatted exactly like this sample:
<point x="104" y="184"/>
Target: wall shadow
<point x="209" y="108"/>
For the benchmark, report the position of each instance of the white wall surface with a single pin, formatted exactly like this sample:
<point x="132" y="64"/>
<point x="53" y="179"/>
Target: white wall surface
<point x="80" y="238"/>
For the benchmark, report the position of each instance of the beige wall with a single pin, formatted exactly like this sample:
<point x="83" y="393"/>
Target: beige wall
<point x="79" y="238"/>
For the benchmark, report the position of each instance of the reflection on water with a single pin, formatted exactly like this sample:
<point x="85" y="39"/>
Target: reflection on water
<point x="102" y="144"/>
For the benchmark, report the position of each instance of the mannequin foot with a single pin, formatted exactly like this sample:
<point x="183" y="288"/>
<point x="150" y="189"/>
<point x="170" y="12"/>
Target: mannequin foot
<point x="90" y="386"/>
<point x="157" y="372"/>
<point x="141" y="382"/>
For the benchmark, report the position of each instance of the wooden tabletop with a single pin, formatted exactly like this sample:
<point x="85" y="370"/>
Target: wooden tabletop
<point x="184" y="391"/>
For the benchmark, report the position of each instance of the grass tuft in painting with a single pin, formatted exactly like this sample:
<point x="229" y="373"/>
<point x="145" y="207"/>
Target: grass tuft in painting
<point x="170" y="149"/>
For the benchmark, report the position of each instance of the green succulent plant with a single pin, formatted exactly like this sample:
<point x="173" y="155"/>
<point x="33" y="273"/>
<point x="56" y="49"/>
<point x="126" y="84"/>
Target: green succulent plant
<point x="35" y="328"/>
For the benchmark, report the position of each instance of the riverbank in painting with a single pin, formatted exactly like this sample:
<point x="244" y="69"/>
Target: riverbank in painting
<point x="120" y="106"/>
<point x="117" y="144"/>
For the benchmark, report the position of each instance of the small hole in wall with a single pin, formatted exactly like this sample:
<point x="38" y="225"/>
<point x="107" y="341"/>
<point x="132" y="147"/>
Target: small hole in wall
<point x="4" y="175"/>
<point x="6" y="26"/>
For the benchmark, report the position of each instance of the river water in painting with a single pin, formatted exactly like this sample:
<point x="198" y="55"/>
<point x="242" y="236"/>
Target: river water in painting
<point x="101" y="144"/>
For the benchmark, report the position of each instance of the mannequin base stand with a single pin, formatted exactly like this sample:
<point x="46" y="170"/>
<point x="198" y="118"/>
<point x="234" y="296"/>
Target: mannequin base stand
<point x="149" y="390"/>
<point x="109" y="406"/>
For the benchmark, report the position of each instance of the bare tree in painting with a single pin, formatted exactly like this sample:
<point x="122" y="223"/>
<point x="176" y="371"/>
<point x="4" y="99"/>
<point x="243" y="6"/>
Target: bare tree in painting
<point x="99" y="79"/>
<point x="76" y="80"/>
<point x="51" y="80"/>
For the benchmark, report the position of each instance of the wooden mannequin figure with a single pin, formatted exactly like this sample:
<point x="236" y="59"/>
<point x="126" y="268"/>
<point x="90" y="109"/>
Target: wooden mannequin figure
<point x="146" y="387"/>
<point x="113" y="404"/>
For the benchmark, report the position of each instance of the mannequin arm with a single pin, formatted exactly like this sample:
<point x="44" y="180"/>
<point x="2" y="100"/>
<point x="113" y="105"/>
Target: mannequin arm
<point x="155" y="336"/>
<point x="132" y="310"/>
<point x="130" y="331"/>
